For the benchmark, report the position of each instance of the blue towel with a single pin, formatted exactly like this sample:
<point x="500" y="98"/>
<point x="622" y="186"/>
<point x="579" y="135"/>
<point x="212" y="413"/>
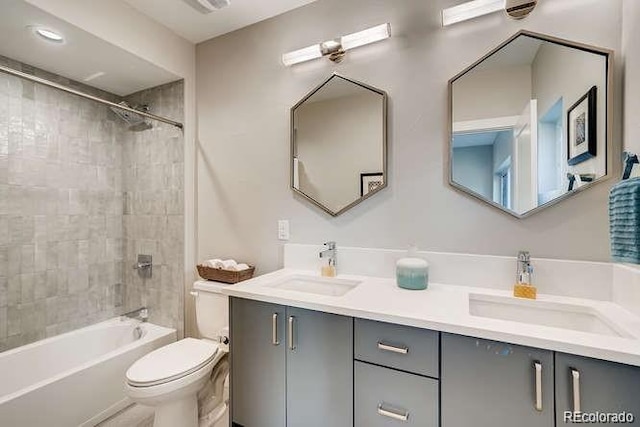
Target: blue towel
<point x="624" y="221"/>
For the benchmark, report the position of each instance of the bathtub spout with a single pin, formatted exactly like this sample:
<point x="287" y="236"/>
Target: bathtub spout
<point x="141" y="313"/>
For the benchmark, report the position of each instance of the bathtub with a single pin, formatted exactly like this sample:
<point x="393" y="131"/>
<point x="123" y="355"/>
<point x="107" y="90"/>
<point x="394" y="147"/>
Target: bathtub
<point x="74" y="379"/>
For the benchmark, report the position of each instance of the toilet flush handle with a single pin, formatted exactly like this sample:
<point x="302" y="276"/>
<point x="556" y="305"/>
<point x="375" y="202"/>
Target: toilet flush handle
<point x="193" y="293"/>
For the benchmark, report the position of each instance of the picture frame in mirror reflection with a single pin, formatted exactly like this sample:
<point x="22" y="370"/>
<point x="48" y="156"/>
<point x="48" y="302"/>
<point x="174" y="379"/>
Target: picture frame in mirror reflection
<point x="530" y="123"/>
<point x="582" y="128"/>
<point x="370" y="182"/>
<point x="339" y="144"/>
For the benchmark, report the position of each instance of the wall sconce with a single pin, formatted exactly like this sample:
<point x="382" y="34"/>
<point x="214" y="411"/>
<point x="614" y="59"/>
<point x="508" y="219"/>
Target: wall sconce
<point x="516" y="9"/>
<point x="335" y="49"/>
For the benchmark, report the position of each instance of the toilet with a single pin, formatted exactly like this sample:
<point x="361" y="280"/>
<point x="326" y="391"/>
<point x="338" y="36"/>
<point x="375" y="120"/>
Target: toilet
<point x="170" y="377"/>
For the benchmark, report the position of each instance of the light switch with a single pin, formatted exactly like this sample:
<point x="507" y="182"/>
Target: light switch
<point x="283" y="229"/>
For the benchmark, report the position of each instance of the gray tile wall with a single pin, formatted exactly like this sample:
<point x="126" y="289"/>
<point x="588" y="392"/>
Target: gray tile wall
<point x="64" y="256"/>
<point x="153" y="170"/>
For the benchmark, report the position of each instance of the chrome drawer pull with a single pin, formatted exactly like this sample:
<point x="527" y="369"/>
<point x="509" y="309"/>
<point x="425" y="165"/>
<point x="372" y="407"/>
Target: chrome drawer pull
<point x="538" y="367"/>
<point x="393" y="349"/>
<point x="391" y="414"/>
<point x="274" y="329"/>
<point x="575" y="374"/>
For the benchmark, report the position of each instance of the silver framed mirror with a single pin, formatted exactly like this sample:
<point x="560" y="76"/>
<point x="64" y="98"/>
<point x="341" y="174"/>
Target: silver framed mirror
<point x="339" y="144"/>
<point x="530" y="123"/>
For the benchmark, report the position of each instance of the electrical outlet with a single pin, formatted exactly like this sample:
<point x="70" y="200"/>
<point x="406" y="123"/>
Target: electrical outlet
<point x="283" y="229"/>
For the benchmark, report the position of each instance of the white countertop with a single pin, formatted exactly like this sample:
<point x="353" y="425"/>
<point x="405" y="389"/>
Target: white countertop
<point x="446" y="308"/>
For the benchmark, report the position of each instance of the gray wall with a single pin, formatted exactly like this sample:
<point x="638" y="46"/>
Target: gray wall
<point x="630" y="37"/>
<point x="244" y="94"/>
<point x="63" y="259"/>
<point x="153" y="165"/>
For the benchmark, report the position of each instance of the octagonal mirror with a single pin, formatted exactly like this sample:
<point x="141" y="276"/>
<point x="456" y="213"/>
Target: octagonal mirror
<point x="531" y="123"/>
<point x="339" y="144"/>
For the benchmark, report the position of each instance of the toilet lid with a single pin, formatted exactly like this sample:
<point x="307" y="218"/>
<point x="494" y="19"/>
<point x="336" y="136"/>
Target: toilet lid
<point x="171" y="362"/>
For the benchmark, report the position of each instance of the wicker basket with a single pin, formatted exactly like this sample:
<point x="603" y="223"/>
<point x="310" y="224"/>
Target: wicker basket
<point x="226" y="276"/>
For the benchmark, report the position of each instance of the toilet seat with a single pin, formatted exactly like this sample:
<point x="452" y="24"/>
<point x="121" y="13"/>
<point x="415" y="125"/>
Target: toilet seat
<point x="172" y="362"/>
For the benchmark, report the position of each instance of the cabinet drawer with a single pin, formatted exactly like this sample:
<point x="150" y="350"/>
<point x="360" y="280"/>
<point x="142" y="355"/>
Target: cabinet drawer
<point x="401" y="347"/>
<point x="388" y="398"/>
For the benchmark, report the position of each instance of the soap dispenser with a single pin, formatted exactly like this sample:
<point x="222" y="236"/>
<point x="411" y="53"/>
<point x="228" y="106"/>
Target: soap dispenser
<point x="523" y="287"/>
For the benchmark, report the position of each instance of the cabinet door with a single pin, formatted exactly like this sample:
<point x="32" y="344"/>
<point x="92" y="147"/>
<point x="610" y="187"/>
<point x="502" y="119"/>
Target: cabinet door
<point x="488" y="384"/>
<point x="257" y="364"/>
<point x="591" y="386"/>
<point x="319" y="369"/>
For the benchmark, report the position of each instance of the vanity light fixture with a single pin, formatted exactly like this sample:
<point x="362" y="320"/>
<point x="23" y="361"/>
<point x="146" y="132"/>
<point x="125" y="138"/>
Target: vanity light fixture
<point x="516" y="9"/>
<point x="470" y="10"/>
<point x="47" y="34"/>
<point x="335" y="49"/>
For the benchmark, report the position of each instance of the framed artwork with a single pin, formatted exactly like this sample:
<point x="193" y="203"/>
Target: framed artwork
<point x="370" y="182"/>
<point x="582" y="127"/>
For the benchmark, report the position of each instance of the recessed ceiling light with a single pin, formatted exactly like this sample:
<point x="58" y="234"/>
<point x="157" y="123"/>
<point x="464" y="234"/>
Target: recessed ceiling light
<point x="47" y="34"/>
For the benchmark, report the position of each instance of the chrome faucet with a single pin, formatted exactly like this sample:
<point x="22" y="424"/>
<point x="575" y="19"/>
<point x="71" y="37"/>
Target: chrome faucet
<point x="524" y="268"/>
<point x="141" y="314"/>
<point x="331" y="252"/>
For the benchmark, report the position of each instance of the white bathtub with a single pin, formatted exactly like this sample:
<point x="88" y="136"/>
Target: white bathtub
<point x="73" y="379"/>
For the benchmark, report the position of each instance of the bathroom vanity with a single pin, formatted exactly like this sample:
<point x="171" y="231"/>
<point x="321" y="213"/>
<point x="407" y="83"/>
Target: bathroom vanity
<point x="358" y="351"/>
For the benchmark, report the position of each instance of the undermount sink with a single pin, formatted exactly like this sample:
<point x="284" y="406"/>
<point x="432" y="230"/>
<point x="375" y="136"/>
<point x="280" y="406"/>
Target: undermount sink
<point x="544" y="313"/>
<point x="315" y="285"/>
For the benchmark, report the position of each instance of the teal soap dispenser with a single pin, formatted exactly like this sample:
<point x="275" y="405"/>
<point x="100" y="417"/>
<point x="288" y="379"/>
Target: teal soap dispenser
<point x="412" y="272"/>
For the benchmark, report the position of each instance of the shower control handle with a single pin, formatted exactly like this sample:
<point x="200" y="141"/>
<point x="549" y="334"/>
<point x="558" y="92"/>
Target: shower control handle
<point x="141" y="265"/>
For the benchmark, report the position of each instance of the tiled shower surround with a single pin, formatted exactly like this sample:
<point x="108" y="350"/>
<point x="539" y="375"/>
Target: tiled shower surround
<point x="65" y="211"/>
<point x="153" y="179"/>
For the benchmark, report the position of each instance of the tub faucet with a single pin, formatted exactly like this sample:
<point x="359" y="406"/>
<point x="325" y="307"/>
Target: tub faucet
<point x="141" y="314"/>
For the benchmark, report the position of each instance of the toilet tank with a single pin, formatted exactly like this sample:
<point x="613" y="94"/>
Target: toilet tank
<point x="212" y="309"/>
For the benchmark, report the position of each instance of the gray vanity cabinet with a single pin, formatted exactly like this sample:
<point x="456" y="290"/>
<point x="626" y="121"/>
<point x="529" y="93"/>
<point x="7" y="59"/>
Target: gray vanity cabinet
<point x="258" y="364"/>
<point x="591" y="386"/>
<point x="290" y="367"/>
<point x="488" y="384"/>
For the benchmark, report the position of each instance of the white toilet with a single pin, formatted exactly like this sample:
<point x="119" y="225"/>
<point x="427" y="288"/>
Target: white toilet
<point x="170" y="377"/>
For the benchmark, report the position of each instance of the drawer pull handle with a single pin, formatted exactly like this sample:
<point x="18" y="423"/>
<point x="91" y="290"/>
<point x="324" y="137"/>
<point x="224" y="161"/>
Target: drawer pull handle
<point x="274" y="330"/>
<point x="390" y="414"/>
<point x="575" y="374"/>
<point x="393" y="349"/>
<point x="538" y="368"/>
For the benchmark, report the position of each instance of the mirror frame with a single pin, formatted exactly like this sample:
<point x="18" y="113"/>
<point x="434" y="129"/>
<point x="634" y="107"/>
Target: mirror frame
<point x="292" y="153"/>
<point x="606" y="53"/>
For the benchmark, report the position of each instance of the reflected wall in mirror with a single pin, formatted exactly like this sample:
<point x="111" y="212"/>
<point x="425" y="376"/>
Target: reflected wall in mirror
<point x="530" y="122"/>
<point x="339" y="144"/>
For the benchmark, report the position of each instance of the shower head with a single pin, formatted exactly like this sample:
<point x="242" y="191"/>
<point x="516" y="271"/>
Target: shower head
<point x="136" y="122"/>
